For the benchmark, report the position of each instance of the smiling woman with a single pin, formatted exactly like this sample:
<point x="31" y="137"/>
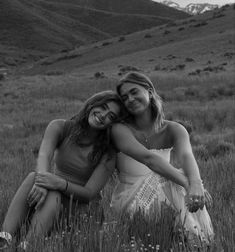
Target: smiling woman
<point x="148" y="181"/>
<point x="84" y="160"/>
<point x="100" y="116"/>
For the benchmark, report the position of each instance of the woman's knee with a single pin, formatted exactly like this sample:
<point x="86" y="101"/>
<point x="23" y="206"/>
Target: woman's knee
<point x="28" y="181"/>
<point x="30" y="177"/>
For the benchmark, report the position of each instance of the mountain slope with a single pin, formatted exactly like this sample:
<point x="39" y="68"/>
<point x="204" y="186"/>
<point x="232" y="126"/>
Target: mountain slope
<point x="30" y="29"/>
<point x="108" y="22"/>
<point x="204" y="38"/>
<point x="146" y="7"/>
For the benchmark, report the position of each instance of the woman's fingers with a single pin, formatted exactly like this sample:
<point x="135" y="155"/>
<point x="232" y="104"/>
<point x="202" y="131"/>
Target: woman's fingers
<point x="35" y="199"/>
<point x="32" y="195"/>
<point x="208" y="199"/>
<point x="42" y="184"/>
<point x="195" y="202"/>
<point x="31" y="192"/>
<point x="40" y="202"/>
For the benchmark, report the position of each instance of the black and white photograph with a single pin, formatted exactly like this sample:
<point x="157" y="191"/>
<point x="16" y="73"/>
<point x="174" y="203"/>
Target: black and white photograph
<point x="117" y="123"/>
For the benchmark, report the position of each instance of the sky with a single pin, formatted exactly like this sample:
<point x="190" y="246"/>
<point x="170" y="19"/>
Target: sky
<point x="183" y="3"/>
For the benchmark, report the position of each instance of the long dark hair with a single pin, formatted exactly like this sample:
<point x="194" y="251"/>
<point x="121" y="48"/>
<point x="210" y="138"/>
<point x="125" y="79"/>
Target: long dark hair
<point x="155" y="100"/>
<point x="80" y="128"/>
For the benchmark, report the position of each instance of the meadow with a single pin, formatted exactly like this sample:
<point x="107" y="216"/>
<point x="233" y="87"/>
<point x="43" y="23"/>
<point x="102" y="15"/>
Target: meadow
<point x="205" y="104"/>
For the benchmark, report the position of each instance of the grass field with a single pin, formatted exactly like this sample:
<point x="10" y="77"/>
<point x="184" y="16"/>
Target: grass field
<point x="205" y="104"/>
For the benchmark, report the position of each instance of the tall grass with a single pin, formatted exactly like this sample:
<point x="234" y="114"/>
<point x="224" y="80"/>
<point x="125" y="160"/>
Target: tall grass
<point x="29" y="103"/>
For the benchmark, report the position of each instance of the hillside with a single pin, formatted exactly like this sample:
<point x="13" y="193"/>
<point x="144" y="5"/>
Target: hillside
<point x="146" y="7"/>
<point x="202" y="42"/>
<point x="35" y="28"/>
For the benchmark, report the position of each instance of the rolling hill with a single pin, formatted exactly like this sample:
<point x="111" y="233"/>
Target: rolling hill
<point x="38" y="28"/>
<point x="146" y="7"/>
<point x="203" y="42"/>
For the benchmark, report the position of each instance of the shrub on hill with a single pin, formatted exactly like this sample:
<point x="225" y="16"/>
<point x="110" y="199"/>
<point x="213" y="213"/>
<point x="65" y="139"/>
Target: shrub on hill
<point x="147" y="35"/>
<point x="189" y="60"/>
<point x="98" y="75"/>
<point x="122" y="38"/>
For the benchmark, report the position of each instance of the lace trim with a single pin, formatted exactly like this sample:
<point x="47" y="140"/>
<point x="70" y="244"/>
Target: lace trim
<point x="147" y="193"/>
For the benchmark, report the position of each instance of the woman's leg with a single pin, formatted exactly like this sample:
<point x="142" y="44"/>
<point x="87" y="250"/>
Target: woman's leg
<point x="19" y="208"/>
<point x="44" y="218"/>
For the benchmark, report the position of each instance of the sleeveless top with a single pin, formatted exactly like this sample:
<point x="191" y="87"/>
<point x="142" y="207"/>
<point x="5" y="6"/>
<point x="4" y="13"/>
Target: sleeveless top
<point x="71" y="160"/>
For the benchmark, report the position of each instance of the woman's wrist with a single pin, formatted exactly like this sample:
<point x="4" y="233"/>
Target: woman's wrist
<point x="195" y="181"/>
<point x="64" y="186"/>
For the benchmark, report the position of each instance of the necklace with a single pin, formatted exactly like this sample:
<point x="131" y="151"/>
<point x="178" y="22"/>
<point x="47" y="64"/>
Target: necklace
<point x="147" y="134"/>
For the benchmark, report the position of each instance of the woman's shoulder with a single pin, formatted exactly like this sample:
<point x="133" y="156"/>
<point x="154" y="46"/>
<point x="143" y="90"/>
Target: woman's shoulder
<point x="176" y="127"/>
<point x="57" y="122"/>
<point x="119" y="127"/>
<point x="61" y="127"/>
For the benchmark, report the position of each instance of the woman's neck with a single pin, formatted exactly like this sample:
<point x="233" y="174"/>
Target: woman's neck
<point x="144" y="121"/>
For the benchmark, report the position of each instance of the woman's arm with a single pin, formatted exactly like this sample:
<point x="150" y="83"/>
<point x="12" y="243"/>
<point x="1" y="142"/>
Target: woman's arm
<point x="126" y="142"/>
<point x="85" y="193"/>
<point x="49" y="143"/>
<point x="50" y="140"/>
<point x="183" y="151"/>
<point x="184" y="155"/>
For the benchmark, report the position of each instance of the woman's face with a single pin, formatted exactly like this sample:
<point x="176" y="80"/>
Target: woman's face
<point x="135" y="98"/>
<point x="100" y="117"/>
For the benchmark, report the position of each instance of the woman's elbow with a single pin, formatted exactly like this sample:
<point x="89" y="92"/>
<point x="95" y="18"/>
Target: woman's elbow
<point x="150" y="161"/>
<point x="90" y="195"/>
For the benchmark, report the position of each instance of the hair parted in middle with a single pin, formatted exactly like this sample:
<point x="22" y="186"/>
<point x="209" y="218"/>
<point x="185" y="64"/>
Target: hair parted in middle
<point x="155" y="100"/>
<point x="80" y="129"/>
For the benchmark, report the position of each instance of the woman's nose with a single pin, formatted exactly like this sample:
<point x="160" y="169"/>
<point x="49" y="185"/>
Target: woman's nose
<point x="130" y="98"/>
<point x="104" y="114"/>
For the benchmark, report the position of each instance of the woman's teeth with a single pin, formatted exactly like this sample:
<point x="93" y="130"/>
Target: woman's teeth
<point x="98" y="119"/>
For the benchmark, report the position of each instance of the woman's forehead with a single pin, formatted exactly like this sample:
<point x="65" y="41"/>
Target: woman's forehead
<point x="128" y="86"/>
<point x="114" y="107"/>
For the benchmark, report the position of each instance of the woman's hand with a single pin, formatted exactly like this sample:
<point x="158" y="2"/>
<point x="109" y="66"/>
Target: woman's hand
<point x="50" y="181"/>
<point x="37" y="196"/>
<point x="195" y="198"/>
<point x="208" y="199"/>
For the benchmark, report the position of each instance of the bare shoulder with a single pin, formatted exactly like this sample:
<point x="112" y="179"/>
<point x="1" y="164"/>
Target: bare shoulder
<point x="56" y="124"/>
<point x="176" y="128"/>
<point x="119" y="128"/>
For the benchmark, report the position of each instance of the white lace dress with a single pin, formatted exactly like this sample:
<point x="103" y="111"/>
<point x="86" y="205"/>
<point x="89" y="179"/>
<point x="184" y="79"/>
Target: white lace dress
<point x="139" y="188"/>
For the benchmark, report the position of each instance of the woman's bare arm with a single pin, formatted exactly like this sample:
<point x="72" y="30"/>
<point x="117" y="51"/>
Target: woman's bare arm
<point x="126" y="142"/>
<point x="93" y="186"/>
<point x="184" y="155"/>
<point x="49" y="143"/>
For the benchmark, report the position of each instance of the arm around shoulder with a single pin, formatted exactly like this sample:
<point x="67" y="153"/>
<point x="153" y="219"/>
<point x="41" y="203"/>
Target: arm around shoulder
<point x="126" y="142"/>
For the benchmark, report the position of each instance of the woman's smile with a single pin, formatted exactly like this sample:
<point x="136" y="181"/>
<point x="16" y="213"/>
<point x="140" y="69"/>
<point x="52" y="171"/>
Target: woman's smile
<point x="98" y="119"/>
<point x="101" y="117"/>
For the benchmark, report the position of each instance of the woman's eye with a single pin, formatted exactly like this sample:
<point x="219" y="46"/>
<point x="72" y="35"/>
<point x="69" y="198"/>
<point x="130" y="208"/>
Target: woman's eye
<point x="112" y="117"/>
<point x="103" y="106"/>
<point x="134" y="92"/>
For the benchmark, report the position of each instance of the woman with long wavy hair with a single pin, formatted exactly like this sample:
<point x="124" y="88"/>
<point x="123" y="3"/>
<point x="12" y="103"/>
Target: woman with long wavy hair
<point x="84" y="159"/>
